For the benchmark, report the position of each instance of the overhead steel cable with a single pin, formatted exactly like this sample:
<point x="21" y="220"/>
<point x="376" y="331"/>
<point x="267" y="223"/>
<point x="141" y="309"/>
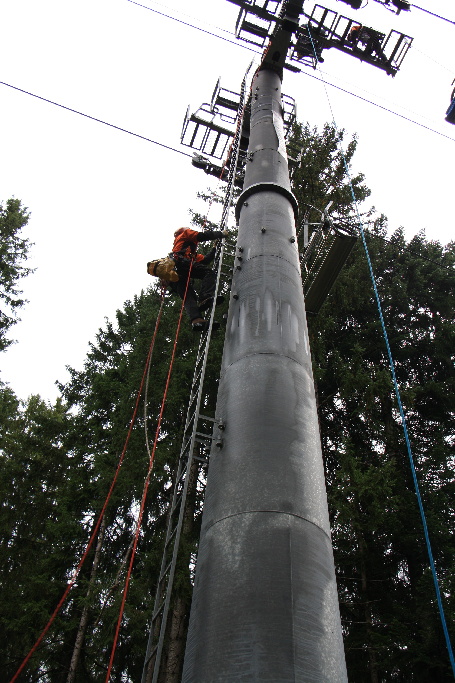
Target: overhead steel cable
<point x="160" y="144"/>
<point x="375" y="104"/>
<point x="438" y="16"/>
<point x="198" y="28"/>
<point x="179" y="151"/>
<point x="173" y="149"/>
<point x="93" y="118"/>
<point x="449" y="268"/>
<point x="380" y="106"/>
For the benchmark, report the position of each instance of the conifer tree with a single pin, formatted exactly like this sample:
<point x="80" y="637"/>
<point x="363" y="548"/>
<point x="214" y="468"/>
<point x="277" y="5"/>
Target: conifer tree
<point x="103" y="395"/>
<point x="388" y="606"/>
<point x="41" y="526"/>
<point x="387" y="600"/>
<point x="14" y="250"/>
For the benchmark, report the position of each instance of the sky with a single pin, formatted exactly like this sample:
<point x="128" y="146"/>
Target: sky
<point x="103" y="202"/>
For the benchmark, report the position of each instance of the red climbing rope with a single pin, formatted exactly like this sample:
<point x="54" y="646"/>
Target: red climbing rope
<point x="101" y="515"/>
<point x="146" y="484"/>
<point x="157" y="434"/>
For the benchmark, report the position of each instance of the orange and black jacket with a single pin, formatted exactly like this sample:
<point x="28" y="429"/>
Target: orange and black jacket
<point x="186" y="243"/>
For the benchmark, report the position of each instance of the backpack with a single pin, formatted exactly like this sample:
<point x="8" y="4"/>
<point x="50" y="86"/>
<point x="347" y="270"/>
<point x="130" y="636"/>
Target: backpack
<point x="164" y="268"/>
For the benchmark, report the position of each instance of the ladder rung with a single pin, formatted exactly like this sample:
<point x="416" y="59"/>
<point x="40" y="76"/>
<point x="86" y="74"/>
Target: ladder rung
<point x="197" y="376"/>
<point x="207" y="437"/>
<point x="171" y="535"/>
<point x="199" y="359"/>
<point x="165" y="572"/>
<point x="199" y="459"/>
<point x="153" y="652"/>
<point x="177" y="504"/>
<point x="158" y="611"/>
<point x="186" y="440"/>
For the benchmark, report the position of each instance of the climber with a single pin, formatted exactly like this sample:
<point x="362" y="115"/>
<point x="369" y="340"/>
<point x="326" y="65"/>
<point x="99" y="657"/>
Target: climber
<point x="369" y="38"/>
<point x="185" y="253"/>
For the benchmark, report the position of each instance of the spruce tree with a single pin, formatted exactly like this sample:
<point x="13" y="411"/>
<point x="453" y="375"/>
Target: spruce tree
<point x="41" y="525"/>
<point x="388" y="606"/>
<point x="14" y="250"/>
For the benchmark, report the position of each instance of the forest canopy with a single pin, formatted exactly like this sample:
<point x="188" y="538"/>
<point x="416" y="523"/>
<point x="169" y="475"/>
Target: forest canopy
<point x="57" y="462"/>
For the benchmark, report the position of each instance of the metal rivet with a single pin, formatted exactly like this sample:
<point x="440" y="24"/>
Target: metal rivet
<point x="262" y="229"/>
<point x="292" y="240"/>
<point x="235" y="296"/>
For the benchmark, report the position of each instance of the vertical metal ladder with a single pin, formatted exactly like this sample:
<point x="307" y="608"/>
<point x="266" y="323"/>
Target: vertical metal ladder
<point x="197" y="433"/>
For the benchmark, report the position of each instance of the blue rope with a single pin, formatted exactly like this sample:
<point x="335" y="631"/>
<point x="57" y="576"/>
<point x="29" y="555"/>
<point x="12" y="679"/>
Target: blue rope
<point x="408" y="443"/>
<point x="396" y="388"/>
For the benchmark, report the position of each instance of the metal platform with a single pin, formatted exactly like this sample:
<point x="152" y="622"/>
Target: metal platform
<point x="323" y="29"/>
<point x="211" y="129"/>
<point x="322" y="259"/>
<point x="330" y="29"/>
<point x="202" y="132"/>
<point x="256" y="20"/>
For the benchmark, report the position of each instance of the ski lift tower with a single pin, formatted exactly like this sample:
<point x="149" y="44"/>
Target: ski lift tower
<point x="265" y="605"/>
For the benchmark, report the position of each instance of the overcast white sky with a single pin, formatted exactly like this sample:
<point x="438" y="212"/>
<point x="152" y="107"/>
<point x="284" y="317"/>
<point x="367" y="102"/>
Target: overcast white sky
<point x="103" y="202"/>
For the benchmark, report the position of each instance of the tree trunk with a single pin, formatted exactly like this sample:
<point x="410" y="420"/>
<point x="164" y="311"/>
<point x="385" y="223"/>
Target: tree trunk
<point x="80" y="637"/>
<point x="374" y="676"/>
<point x="178" y="626"/>
<point x="177" y="639"/>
